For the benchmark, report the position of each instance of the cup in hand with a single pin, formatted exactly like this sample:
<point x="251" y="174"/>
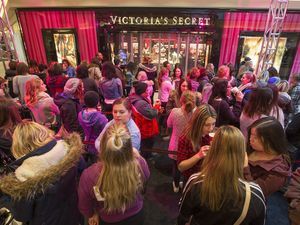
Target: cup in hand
<point x="234" y="90"/>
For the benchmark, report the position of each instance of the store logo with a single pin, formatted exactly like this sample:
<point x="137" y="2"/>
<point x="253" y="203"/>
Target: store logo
<point x="160" y="20"/>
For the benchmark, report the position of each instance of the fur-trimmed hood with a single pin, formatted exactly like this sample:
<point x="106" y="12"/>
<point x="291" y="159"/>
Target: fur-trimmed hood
<point x="42" y="179"/>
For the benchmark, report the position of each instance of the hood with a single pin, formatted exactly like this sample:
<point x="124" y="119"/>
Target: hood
<point x="134" y="98"/>
<point x="148" y="68"/>
<point x="40" y="182"/>
<point x="279" y="164"/>
<point x="88" y="118"/>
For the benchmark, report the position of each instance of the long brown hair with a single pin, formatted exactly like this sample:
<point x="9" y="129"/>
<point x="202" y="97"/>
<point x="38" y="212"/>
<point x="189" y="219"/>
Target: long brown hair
<point x="194" y="128"/>
<point x="162" y="73"/>
<point x="222" y="168"/>
<point x="9" y="116"/>
<point x="120" y="179"/>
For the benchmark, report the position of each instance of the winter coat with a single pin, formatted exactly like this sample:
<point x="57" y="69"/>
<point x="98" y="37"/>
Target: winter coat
<point x="89" y="85"/>
<point x="42" y="190"/>
<point x="144" y="116"/>
<point x="270" y="175"/>
<point x="5" y="151"/>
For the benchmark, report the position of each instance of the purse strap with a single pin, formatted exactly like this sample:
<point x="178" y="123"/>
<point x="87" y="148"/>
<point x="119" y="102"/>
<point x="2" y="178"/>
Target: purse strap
<point x="246" y="204"/>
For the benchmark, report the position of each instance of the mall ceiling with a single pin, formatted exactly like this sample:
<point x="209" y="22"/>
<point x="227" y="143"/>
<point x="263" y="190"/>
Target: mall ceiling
<point x="225" y="4"/>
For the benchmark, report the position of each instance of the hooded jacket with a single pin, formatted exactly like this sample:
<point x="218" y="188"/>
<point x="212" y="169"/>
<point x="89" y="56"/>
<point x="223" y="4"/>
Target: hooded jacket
<point x="270" y="175"/>
<point x="42" y="190"/>
<point x="92" y="124"/>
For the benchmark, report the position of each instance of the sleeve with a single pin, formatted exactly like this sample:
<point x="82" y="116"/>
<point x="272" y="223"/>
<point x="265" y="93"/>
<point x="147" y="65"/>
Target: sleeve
<point x="98" y="140"/>
<point x="15" y="85"/>
<point x="120" y="86"/>
<point x="186" y="207"/>
<point x="293" y="128"/>
<point x="146" y="110"/>
<point x="145" y="168"/>
<point x="85" y="198"/>
<point x="183" y="149"/>
<point x="170" y="119"/>
<point x="136" y="139"/>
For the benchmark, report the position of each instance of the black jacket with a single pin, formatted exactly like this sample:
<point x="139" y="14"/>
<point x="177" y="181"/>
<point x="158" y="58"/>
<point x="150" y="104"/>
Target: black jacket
<point x="227" y="215"/>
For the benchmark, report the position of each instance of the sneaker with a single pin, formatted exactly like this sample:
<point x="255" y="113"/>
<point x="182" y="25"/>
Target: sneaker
<point x="166" y="138"/>
<point x="175" y="189"/>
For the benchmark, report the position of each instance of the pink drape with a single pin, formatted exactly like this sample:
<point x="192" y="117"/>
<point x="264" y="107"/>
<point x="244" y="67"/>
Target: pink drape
<point x="32" y="23"/>
<point x="234" y="23"/>
<point x="296" y="65"/>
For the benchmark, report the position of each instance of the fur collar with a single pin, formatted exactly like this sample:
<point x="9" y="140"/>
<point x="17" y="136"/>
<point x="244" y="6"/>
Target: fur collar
<point x="39" y="182"/>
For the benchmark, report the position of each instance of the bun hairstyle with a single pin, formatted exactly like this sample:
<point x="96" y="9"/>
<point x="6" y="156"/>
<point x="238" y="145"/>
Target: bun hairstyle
<point x="116" y="146"/>
<point x="120" y="178"/>
<point x="188" y="99"/>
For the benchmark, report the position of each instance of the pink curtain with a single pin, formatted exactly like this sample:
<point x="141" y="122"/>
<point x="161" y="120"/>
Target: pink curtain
<point x="32" y="23"/>
<point x="296" y="65"/>
<point x="234" y="23"/>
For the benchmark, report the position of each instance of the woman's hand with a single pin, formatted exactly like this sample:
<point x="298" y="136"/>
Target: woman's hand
<point x="94" y="220"/>
<point x="246" y="160"/>
<point x="203" y="151"/>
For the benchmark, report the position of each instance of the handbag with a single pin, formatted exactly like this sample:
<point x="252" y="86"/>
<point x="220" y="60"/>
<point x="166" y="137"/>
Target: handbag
<point x="246" y="205"/>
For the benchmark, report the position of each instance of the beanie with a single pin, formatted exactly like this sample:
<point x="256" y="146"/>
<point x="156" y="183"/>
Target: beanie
<point x="91" y="99"/>
<point x="274" y="80"/>
<point x="140" y="87"/>
<point x="71" y="86"/>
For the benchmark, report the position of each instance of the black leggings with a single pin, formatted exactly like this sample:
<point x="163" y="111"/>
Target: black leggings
<point x="137" y="219"/>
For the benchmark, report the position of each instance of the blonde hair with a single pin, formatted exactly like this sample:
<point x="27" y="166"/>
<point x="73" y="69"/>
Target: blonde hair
<point x="188" y="99"/>
<point x="194" y="128"/>
<point x="28" y="136"/>
<point x="32" y="88"/>
<point x="120" y="179"/>
<point x="223" y="72"/>
<point x="222" y="168"/>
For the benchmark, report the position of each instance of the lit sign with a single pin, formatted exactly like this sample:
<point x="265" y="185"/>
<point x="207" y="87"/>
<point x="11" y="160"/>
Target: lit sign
<point x="160" y="20"/>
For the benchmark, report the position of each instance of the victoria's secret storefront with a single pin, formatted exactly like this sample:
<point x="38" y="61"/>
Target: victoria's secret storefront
<point x="174" y="35"/>
<point x="191" y="37"/>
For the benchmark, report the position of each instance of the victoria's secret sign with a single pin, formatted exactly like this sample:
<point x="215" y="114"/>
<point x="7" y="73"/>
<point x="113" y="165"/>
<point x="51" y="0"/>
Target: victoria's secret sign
<point x="160" y="20"/>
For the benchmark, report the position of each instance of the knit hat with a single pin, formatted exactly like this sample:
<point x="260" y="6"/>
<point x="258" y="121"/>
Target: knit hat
<point x="140" y="87"/>
<point x="274" y="80"/>
<point x="71" y="86"/>
<point x="91" y="99"/>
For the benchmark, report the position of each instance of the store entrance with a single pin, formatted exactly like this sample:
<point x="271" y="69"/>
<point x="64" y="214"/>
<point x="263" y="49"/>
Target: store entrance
<point x="188" y="49"/>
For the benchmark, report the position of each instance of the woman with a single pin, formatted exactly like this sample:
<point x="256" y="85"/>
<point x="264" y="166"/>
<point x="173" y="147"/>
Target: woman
<point x="177" y="76"/>
<point x="177" y="119"/>
<point x="144" y="116"/>
<point x="9" y="119"/>
<point x="42" y="106"/>
<point x="220" y="102"/>
<point x="89" y="84"/>
<point x="56" y="80"/>
<point x="122" y="111"/>
<point x="164" y="86"/>
<point x="269" y="164"/>
<point x="94" y="71"/>
<point x="110" y="87"/>
<point x="69" y="103"/>
<point x="9" y="75"/>
<point x="217" y="194"/>
<point x="175" y="95"/>
<point x="68" y="69"/>
<point x="194" y="142"/>
<point x="110" y="191"/>
<point x="258" y="106"/>
<point x="247" y="84"/>
<point x="42" y="189"/>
